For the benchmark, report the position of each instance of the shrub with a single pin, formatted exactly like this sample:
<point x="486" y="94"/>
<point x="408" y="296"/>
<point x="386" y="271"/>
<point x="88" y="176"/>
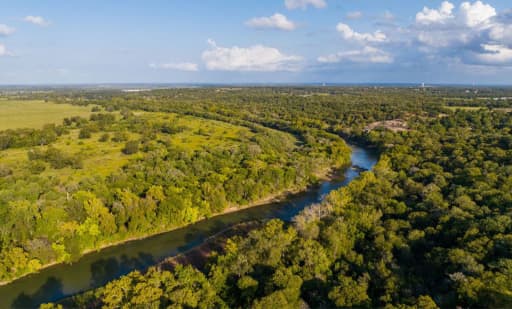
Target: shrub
<point x="36" y="167"/>
<point x="5" y="171"/>
<point x="84" y="133"/>
<point x="131" y="147"/>
<point x="120" y="137"/>
<point x="105" y="137"/>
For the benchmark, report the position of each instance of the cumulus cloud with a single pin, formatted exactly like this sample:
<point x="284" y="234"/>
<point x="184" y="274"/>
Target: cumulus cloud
<point x="366" y="55"/>
<point x="494" y="54"/>
<point x="476" y="14"/>
<point x="501" y="33"/>
<point x="354" y="15"/>
<point x="431" y="16"/>
<point x="470" y="33"/>
<point x="253" y="58"/>
<point x="303" y="4"/>
<point x="474" y="33"/>
<point x="4" y="51"/>
<point x="6" y="30"/>
<point x="37" y="20"/>
<point x="348" y="34"/>
<point x="276" y="21"/>
<point x="469" y="14"/>
<point x="181" y="66"/>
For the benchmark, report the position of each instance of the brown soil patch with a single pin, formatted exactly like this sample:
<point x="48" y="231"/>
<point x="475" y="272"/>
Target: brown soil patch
<point x="395" y="125"/>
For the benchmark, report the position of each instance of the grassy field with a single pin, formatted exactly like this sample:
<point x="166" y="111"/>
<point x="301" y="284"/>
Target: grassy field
<point x="34" y="114"/>
<point x="475" y="108"/>
<point x="100" y="158"/>
<point x="103" y="158"/>
<point x="466" y="108"/>
<point x="199" y="133"/>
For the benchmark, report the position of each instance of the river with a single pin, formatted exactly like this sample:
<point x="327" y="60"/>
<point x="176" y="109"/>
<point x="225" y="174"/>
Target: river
<point x="97" y="268"/>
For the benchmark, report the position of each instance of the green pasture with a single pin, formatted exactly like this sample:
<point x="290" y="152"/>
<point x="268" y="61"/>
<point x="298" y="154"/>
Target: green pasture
<point x="103" y="158"/>
<point x="16" y="114"/>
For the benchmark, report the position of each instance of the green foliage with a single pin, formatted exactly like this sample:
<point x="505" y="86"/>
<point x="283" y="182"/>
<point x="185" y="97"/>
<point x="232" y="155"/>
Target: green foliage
<point x="104" y="137"/>
<point x="188" y="167"/>
<point x="131" y="147"/>
<point x="184" y="288"/>
<point x="84" y="133"/>
<point x="55" y="157"/>
<point x="348" y="292"/>
<point x="430" y="226"/>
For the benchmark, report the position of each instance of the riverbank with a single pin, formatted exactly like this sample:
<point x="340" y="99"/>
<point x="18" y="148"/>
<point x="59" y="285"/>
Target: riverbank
<point x="326" y="174"/>
<point x="197" y="256"/>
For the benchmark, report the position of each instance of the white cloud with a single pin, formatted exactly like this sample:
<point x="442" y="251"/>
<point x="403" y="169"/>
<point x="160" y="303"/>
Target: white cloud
<point x="349" y="34"/>
<point x="501" y="33"/>
<point x="6" y="30"/>
<point x="276" y="21"/>
<point x="253" y="58"/>
<point x="303" y="4"/>
<point x="4" y="51"/>
<point x="442" y="39"/>
<point x="37" y="20"/>
<point x="431" y="16"/>
<point x="471" y="15"/>
<point x="474" y="33"/>
<point x="366" y="55"/>
<point x="354" y="15"/>
<point x="476" y="14"/>
<point x="494" y="55"/>
<point x="181" y="66"/>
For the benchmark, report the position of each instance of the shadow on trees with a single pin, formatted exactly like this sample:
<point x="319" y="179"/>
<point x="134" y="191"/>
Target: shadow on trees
<point x="314" y="292"/>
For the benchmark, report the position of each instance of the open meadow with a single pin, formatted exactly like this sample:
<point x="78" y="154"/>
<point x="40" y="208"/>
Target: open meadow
<point x="34" y="114"/>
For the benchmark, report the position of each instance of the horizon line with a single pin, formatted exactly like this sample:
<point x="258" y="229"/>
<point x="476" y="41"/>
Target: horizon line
<point x="249" y="84"/>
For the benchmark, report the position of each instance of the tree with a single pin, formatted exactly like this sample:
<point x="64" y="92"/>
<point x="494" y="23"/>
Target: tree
<point x="348" y="292"/>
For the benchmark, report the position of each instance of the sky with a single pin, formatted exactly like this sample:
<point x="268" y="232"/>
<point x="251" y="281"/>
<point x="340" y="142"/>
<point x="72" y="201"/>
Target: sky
<point x="255" y="41"/>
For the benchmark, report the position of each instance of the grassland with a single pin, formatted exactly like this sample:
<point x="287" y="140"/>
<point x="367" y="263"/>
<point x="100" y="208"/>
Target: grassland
<point x="100" y="158"/>
<point x="466" y="108"/>
<point x="16" y="114"/>
<point x="199" y="133"/>
<point x="103" y="158"/>
<point x="475" y="108"/>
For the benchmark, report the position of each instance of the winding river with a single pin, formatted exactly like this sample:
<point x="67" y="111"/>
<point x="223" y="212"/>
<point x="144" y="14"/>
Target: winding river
<point x="97" y="268"/>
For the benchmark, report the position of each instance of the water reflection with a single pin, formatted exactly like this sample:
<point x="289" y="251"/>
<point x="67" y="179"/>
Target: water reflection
<point x="103" y="270"/>
<point x="98" y="268"/>
<point x="51" y="289"/>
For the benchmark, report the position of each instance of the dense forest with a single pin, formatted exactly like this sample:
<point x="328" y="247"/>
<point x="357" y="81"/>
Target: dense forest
<point x="430" y="226"/>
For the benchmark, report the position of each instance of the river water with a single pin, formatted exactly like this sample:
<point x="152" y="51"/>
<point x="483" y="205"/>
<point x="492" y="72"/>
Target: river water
<point x="98" y="268"/>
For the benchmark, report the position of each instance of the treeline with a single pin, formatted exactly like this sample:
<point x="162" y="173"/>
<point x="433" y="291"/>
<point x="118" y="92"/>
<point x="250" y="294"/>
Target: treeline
<point x="30" y="137"/>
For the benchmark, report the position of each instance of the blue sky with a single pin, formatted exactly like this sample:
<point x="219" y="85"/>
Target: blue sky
<point x="233" y="41"/>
